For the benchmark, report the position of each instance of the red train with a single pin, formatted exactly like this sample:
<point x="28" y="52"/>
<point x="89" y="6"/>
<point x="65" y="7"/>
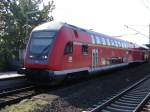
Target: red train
<point x="56" y="50"/>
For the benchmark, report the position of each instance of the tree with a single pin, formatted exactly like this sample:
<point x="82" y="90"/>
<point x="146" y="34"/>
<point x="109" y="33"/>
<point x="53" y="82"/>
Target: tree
<point x="17" y="19"/>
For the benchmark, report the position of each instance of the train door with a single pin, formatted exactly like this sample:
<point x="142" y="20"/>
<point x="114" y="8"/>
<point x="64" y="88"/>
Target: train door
<point x="94" y="57"/>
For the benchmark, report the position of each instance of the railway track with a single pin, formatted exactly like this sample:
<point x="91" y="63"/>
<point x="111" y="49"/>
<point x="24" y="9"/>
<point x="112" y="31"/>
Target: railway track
<point x="130" y="100"/>
<point x="14" y="96"/>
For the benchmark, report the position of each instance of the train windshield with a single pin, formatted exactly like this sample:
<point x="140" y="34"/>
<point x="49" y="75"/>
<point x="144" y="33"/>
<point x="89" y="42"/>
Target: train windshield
<point x="41" y="42"/>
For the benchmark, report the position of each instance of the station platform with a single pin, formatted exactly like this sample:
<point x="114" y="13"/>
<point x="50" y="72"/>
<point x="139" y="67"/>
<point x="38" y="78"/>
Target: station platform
<point x="9" y="75"/>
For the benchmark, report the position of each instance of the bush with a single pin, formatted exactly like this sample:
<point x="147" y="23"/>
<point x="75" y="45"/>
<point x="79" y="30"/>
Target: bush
<point x="3" y="65"/>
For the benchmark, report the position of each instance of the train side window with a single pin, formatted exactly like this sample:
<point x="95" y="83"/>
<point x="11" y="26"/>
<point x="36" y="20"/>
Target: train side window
<point x="116" y="42"/>
<point x="76" y="33"/>
<point x="119" y="44"/>
<point x="127" y="45"/>
<point x="93" y="39"/>
<point x="98" y="40"/>
<point x="112" y="44"/>
<point x="85" y="49"/>
<point x="108" y="42"/>
<point x="68" y="48"/>
<point x="124" y="44"/>
<point x="116" y="45"/>
<point x="103" y="41"/>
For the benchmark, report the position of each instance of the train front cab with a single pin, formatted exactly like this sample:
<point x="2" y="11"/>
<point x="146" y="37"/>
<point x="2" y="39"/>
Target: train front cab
<point x="44" y="52"/>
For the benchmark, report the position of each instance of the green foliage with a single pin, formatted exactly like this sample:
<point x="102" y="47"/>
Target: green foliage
<point x="17" y="19"/>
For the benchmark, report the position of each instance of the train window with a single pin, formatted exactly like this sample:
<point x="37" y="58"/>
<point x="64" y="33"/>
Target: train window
<point x="108" y="42"/>
<point x="76" y="33"/>
<point x="112" y="43"/>
<point x="127" y="45"/>
<point x="119" y="44"/>
<point x="116" y="44"/>
<point x="68" y="48"/>
<point x="98" y="40"/>
<point x="84" y="49"/>
<point x="103" y="41"/>
<point x="93" y="39"/>
<point x="124" y="44"/>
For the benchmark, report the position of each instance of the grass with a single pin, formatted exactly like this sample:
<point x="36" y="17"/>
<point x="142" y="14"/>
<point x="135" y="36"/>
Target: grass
<point x="28" y="105"/>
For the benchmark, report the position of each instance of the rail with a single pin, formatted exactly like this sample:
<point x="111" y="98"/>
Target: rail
<point x="14" y="96"/>
<point x="131" y="99"/>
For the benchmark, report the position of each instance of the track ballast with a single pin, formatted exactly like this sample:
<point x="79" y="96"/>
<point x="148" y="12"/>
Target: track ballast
<point x="14" y="96"/>
<point x="129" y="100"/>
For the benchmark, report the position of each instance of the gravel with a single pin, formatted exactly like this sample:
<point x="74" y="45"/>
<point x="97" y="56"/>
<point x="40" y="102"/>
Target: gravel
<point x="85" y="94"/>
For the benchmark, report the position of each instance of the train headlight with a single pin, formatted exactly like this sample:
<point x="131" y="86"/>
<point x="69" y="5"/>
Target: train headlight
<point x="45" y="57"/>
<point x="31" y="56"/>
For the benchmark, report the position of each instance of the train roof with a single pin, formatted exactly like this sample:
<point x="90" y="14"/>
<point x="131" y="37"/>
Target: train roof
<point x="58" y="25"/>
<point x="93" y="32"/>
<point x="103" y="35"/>
<point x="49" y="26"/>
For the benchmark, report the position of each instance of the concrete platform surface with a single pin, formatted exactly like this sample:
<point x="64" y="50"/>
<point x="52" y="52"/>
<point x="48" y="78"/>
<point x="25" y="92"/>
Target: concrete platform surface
<point x="5" y="75"/>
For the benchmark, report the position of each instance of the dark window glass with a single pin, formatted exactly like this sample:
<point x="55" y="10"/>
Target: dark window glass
<point x="76" y="34"/>
<point x="84" y="49"/>
<point x="68" y="48"/>
<point x="43" y="34"/>
<point x="41" y="41"/>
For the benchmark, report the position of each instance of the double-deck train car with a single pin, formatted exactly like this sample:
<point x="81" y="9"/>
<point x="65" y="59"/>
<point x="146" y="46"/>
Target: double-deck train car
<point x="57" y="49"/>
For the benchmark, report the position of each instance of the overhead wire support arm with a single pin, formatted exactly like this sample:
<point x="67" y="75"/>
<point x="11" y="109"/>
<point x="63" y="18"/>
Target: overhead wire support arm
<point x="136" y="31"/>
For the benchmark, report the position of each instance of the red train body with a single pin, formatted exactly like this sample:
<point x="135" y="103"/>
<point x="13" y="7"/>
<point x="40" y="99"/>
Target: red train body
<point x="57" y="49"/>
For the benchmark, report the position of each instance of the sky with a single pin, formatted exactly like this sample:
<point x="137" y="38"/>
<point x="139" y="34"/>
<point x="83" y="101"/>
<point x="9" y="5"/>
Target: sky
<point x="107" y="17"/>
